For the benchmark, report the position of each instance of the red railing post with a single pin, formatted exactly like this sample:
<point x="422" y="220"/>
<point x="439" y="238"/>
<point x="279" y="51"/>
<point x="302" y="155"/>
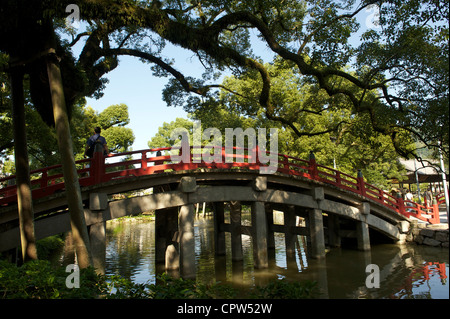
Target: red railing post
<point x="313" y="171"/>
<point x="286" y="164"/>
<point x="98" y="165"/>
<point x="144" y="161"/>
<point x="337" y="175"/>
<point x="436" y="218"/>
<point x="381" y="195"/>
<point x="401" y="205"/>
<point x="44" y="180"/>
<point x="361" y="185"/>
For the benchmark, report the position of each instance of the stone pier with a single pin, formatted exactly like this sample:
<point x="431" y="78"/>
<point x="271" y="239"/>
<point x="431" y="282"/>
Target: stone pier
<point x="236" y="238"/>
<point x="259" y="229"/>
<point x="186" y="235"/>
<point x="315" y="221"/>
<point x="187" y="241"/>
<point x="98" y="204"/>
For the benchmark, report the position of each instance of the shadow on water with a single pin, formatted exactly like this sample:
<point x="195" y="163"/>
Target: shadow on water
<point x="407" y="271"/>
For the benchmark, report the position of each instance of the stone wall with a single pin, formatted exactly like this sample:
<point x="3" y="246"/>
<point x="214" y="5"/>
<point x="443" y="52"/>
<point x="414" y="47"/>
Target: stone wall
<point x="430" y="235"/>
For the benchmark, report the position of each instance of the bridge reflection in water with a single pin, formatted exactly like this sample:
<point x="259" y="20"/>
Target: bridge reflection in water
<point x="405" y="271"/>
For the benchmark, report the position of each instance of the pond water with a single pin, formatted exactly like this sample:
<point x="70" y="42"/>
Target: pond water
<point x="407" y="271"/>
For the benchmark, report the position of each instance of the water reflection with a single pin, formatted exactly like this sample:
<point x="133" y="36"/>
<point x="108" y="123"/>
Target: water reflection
<point x="405" y="271"/>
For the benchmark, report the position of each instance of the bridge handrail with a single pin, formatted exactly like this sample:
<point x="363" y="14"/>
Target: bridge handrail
<point x="440" y="198"/>
<point x="99" y="169"/>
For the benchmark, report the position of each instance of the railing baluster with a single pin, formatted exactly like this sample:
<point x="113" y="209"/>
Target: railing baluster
<point x="144" y="160"/>
<point x="361" y="184"/>
<point x="313" y="172"/>
<point x="44" y="179"/>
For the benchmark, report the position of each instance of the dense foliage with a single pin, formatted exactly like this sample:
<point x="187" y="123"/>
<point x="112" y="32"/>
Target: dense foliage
<point x="40" y="280"/>
<point x="392" y="70"/>
<point x="42" y="142"/>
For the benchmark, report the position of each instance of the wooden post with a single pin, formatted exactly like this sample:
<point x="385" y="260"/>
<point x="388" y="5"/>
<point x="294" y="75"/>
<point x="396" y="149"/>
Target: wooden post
<point x="24" y="196"/>
<point x="259" y="227"/>
<point x="334" y="240"/>
<point x="73" y="192"/>
<point x="97" y="169"/>
<point x="236" y="238"/>
<point x="290" y="238"/>
<point x="270" y="232"/>
<point x="436" y="219"/>
<point x="401" y="205"/>
<point x="219" y="235"/>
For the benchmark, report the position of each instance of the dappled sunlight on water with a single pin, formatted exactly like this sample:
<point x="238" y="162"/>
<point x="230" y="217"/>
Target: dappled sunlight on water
<point x="405" y="271"/>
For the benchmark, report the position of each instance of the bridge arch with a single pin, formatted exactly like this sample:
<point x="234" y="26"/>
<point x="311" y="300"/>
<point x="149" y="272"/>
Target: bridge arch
<point x="321" y="206"/>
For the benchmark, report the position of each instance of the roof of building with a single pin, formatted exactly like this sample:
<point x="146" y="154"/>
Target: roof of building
<point x="428" y="171"/>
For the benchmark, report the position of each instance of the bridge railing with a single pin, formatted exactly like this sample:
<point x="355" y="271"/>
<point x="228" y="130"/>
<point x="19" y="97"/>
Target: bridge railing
<point x="99" y="169"/>
<point x="440" y="198"/>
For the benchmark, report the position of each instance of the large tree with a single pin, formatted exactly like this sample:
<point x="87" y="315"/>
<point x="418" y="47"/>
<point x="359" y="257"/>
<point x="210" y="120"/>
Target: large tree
<point x="334" y="133"/>
<point x="390" y="74"/>
<point x="397" y="75"/>
<point x="42" y="141"/>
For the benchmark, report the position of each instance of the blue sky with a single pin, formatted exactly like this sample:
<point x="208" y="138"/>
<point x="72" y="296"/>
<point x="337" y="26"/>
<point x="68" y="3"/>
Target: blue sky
<point x="132" y="83"/>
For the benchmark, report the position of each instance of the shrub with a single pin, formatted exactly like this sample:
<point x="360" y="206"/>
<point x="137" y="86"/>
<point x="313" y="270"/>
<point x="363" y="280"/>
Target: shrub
<point x="39" y="280"/>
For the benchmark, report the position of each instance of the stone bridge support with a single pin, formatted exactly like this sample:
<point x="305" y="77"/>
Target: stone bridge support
<point x="174" y="233"/>
<point x="236" y="238"/>
<point x="334" y="239"/>
<point x="219" y="233"/>
<point x="166" y="237"/>
<point x="259" y="228"/>
<point x="187" y="241"/>
<point x="362" y="228"/>
<point x="188" y="185"/>
<point x="98" y="205"/>
<point x="315" y="221"/>
<point x="290" y="237"/>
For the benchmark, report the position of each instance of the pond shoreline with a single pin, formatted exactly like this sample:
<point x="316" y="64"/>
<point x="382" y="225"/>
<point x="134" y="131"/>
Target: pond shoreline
<point x="429" y="235"/>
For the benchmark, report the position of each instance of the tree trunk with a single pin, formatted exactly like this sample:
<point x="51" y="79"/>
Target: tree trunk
<point x="24" y="196"/>
<point x="73" y="192"/>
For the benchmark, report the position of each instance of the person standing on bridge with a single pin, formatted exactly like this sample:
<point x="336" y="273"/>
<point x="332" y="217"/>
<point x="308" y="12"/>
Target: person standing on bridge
<point x="93" y="140"/>
<point x="428" y="195"/>
<point x="409" y="200"/>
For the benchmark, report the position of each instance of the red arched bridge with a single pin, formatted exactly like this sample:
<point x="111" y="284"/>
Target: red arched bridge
<point x="48" y="180"/>
<point x="319" y="202"/>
